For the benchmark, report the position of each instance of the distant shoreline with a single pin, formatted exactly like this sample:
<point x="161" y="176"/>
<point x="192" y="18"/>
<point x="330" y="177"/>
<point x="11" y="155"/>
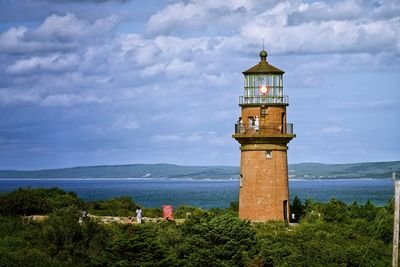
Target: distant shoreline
<point x="309" y="171"/>
<point x="180" y="179"/>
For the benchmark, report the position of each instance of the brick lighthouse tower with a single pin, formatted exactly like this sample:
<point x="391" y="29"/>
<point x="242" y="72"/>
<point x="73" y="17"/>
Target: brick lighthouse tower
<point x="263" y="135"/>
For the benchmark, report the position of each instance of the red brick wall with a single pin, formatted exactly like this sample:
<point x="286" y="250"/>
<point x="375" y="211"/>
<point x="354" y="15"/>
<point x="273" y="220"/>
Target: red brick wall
<point x="264" y="185"/>
<point x="274" y="115"/>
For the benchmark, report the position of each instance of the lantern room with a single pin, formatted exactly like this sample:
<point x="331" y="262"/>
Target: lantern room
<point x="263" y="84"/>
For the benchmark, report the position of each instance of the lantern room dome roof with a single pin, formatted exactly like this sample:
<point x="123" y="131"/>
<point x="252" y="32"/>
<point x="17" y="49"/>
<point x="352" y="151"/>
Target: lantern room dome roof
<point x="263" y="54"/>
<point x="263" y="67"/>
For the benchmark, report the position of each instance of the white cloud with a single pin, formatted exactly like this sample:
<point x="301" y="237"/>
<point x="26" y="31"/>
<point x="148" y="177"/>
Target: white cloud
<point x="130" y="41"/>
<point x="211" y="138"/>
<point x="56" y="62"/>
<point x="194" y="137"/>
<point x="327" y="36"/>
<point x="126" y="122"/>
<point x="320" y="11"/>
<point x="65" y="27"/>
<point x="158" y="138"/>
<point x="385" y="9"/>
<point x="219" y="139"/>
<point x="68" y="100"/>
<point x="12" y="37"/>
<point x="187" y="47"/>
<point x="153" y="70"/>
<point x="177" y="15"/>
<point x="375" y="104"/>
<point x="15" y="40"/>
<point x="10" y="96"/>
<point x="321" y="27"/>
<point x="288" y="27"/>
<point x="333" y="130"/>
<point x="70" y="28"/>
<point x="178" y="68"/>
<point x="146" y="54"/>
<point x="182" y="71"/>
<point x="57" y="33"/>
<point x="194" y="16"/>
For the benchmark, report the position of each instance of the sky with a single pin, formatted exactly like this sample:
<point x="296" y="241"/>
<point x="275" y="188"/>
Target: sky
<point x="99" y="82"/>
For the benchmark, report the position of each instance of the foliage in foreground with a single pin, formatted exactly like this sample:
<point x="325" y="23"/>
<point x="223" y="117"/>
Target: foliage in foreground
<point x="36" y="201"/>
<point x="329" y="234"/>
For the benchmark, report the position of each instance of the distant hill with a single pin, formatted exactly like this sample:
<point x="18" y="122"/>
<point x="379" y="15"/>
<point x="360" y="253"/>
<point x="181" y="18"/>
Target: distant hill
<point x="169" y="171"/>
<point x="335" y="171"/>
<point x="131" y="171"/>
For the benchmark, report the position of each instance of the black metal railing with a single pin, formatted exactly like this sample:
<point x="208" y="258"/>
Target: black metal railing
<point x="270" y="128"/>
<point x="263" y="99"/>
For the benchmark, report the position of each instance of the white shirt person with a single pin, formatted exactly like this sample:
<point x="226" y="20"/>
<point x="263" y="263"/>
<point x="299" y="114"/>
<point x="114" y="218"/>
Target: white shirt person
<point x="139" y="215"/>
<point x="256" y="125"/>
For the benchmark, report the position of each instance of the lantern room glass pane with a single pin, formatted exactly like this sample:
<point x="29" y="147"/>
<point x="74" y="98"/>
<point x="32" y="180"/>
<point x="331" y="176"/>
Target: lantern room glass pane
<point x="261" y="88"/>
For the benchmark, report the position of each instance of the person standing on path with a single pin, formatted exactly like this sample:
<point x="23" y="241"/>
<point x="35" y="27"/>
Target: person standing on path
<point x="139" y="215"/>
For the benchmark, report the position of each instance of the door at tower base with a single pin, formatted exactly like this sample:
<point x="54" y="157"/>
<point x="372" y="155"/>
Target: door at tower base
<point x="264" y="190"/>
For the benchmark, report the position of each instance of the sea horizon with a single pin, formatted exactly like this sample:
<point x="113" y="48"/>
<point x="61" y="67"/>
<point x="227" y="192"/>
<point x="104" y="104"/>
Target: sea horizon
<point x="186" y="179"/>
<point x="206" y="193"/>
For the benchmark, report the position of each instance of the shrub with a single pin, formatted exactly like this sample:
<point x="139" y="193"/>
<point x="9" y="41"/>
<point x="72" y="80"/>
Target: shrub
<point x="184" y="212"/>
<point x="335" y="211"/>
<point x="120" y="206"/>
<point x="28" y="201"/>
<point x="220" y="240"/>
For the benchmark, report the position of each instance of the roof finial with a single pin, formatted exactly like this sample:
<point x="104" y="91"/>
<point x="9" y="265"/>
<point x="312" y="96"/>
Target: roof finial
<point x="263" y="54"/>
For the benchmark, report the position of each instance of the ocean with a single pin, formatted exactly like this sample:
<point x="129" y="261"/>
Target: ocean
<point x="207" y="193"/>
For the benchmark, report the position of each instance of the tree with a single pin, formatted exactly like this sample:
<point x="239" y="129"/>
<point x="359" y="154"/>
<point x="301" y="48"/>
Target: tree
<point x="222" y="240"/>
<point x="29" y="201"/>
<point x="335" y="211"/>
<point x="23" y="202"/>
<point x="119" y="206"/>
<point x="297" y="208"/>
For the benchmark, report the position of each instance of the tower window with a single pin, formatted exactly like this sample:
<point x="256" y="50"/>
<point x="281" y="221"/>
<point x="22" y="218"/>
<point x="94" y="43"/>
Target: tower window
<point x="241" y="180"/>
<point x="268" y="154"/>
<point x="264" y="111"/>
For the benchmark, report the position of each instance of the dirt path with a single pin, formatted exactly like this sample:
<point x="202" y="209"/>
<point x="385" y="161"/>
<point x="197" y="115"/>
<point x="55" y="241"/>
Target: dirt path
<point x="110" y="219"/>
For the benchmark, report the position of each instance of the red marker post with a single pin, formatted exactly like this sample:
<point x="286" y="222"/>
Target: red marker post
<point x="167" y="212"/>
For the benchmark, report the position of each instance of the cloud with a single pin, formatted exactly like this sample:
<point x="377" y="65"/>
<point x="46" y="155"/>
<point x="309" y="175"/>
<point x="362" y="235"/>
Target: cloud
<point x="190" y="18"/>
<point x="175" y="138"/>
<point x="56" y="33"/>
<point x="169" y="74"/>
<point x="167" y="138"/>
<point x="68" y="100"/>
<point x="333" y="130"/>
<point x="211" y="138"/>
<point x="54" y="63"/>
<point x="320" y="11"/>
<point x="189" y="48"/>
<point x="385" y="9"/>
<point x="84" y="1"/>
<point x="9" y="96"/>
<point x="327" y="36"/>
<point x="126" y="122"/>
<point x="15" y="40"/>
<point x="69" y="27"/>
<point x="288" y="27"/>
<point x="371" y="105"/>
<point x="153" y="70"/>
<point x="179" y="68"/>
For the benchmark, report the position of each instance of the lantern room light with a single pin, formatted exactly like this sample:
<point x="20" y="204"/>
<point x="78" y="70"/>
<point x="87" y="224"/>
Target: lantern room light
<point x="264" y="89"/>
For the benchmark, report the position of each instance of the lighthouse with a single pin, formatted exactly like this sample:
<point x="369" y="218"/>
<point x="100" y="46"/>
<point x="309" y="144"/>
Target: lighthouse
<point x="263" y="135"/>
